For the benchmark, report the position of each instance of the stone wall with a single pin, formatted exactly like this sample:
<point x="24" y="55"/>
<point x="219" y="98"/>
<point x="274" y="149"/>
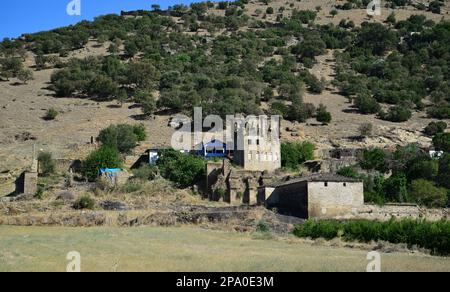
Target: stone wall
<point x="332" y="199"/>
<point x="384" y="213"/>
<point x="30" y="180"/>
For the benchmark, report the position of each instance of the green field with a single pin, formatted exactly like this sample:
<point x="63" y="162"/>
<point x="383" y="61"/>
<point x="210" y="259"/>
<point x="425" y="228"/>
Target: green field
<point x="184" y="249"/>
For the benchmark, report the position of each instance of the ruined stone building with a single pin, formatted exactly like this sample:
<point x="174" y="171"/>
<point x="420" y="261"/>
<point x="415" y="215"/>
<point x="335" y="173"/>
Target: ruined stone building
<point x="331" y="160"/>
<point x="257" y="146"/>
<point x="314" y="196"/>
<point x="233" y="185"/>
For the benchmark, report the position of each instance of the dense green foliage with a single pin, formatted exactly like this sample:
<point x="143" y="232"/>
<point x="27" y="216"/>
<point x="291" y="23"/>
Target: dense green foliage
<point x="434" y="236"/>
<point x="122" y="137"/>
<point x="294" y="154"/>
<point x="399" y="64"/>
<point x="184" y="170"/>
<point x="381" y="68"/>
<point x="236" y="73"/>
<point x="416" y="177"/>
<point x="434" y="128"/>
<point x="104" y="157"/>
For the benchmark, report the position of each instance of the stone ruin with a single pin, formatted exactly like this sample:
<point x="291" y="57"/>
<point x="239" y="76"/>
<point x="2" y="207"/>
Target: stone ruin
<point x="235" y="186"/>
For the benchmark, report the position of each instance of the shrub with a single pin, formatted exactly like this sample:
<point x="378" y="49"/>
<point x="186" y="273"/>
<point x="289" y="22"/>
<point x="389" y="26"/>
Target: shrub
<point x="316" y="85"/>
<point x="149" y="106"/>
<point x="374" y="159"/>
<point x="367" y="105"/>
<point x="444" y="171"/>
<point x="47" y="165"/>
<point x="51" y="114"/>
<point x="294" y="154"/>
<point x="426" y="193"/>
<point x="269" y="10"/>
<point x="365" y="130"/>
<point x="131" y="188"/>
<point x="85" y="202"/>
<point x="396" y="189"/>
<point x="139" y="131"/>
<point x="434" y="128"/>
<point x="422" y="167"/>
<point x="397" y="114"/>
<point x="25" y="75"/>
<point x="183" y="170"/>
<point x="434" y="236"/>
<point x="40" y="192"/>
<point x="435" y="7"/>
<point x="442" y="141"/>
<point x="262" y="226"/>
<point x="122" y="137"/>
<point x="348" y="171"/>
<point x="323" y="115"/>
<point x="145" y="172"/>
<point x="442" y="112"/>
<point x="104" y="157"/>
<point x="333" y="13"/>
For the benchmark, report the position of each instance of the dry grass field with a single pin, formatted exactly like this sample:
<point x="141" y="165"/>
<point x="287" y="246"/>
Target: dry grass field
<point x="186" y="249"/>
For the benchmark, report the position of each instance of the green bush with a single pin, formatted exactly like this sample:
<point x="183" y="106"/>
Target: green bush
<point x="397" y="114"/>
<point x="40" y="193"/>
<point x="85" y="202"/>
<point x="184" y="170"/>
<point x="442" y="142"/>
<point x="374" y="159"/>
<point x="434" y="236"/>
<point x="294" y="154"/>
<point x="348" y="171"/>
<point x="51" y="114"/>
<point x="323" y="115"/>
<point x="104" y="157"/>
<point x="434" y="128"/>
<point x="426" y="193"/>
<point x="262" y="226"/>
<point x="145" y="173"/>
<point x="122" y="137"/>
<point x="47" y="164"/>
<point x="396" y="188"/>
<point x="444" y="171"/>
<point x="367" y="105"/>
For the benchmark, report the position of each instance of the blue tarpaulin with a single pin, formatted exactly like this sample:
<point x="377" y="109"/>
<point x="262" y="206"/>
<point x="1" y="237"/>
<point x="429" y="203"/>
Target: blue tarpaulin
<point x="109" y="172"/>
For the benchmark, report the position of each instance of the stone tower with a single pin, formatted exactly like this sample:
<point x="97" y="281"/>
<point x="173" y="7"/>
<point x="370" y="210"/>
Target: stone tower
<point x="257" y="144"/>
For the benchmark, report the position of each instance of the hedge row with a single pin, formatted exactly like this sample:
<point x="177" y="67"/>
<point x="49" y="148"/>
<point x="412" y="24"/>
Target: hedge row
<point x="434" y="236"/>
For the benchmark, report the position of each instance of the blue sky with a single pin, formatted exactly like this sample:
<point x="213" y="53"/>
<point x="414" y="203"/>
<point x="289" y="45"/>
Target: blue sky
<point x="27" y="16"/>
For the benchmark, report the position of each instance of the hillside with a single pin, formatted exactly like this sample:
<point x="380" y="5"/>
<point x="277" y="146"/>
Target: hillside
<point x="285" y="57"/>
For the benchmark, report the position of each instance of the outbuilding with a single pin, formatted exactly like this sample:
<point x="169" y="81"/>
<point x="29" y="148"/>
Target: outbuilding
<point x="314" y="196"/>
